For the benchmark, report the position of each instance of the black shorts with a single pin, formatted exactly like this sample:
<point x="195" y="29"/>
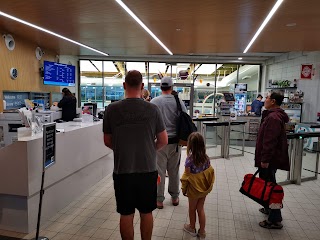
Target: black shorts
<point x="135" y="190"/>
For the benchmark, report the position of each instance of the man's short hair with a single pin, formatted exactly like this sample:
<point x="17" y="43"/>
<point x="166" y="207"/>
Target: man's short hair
<point x="259" y="96"/>
<point x="133" y="78"/>
<point x="165" y="88"/>
<point x="278" y="97"/>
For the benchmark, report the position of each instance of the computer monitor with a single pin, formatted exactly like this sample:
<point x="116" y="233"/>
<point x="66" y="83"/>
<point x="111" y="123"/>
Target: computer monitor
<point x="240" y="87"/>
<point x="229" y="97"/>
<point x="94" y="108"/>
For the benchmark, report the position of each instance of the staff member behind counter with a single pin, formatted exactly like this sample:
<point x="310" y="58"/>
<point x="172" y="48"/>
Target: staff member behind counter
<point x="68" y="103"/>
<point x="257" y="105"/>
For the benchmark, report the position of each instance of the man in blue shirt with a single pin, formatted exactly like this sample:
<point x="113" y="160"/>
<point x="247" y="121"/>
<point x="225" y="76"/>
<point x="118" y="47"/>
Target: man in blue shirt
<point x="256" y="105"/>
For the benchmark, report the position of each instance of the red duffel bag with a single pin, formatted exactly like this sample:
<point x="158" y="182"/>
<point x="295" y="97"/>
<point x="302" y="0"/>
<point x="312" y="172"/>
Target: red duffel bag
<point x="268" y="194"/>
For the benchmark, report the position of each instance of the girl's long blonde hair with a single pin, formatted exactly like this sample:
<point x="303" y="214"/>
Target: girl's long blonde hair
<point x="197" y="149"/>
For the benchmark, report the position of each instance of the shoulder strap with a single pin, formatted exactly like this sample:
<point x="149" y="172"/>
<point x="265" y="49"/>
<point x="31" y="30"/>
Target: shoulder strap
<point x="178" y="103"/>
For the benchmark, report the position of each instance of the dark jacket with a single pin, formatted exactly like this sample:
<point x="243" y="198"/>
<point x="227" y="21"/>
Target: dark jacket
<point x="256" y="107"/>
<point x="272" y="145"/>
<point x="68" y="105"/>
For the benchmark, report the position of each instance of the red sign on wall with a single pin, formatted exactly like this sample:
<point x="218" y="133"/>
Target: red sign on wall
<point x="306" y="71"/>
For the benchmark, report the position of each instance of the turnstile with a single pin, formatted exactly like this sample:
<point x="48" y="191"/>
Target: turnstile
<point x="199" y="122"/>
<point x="242" y="139"/>
<point x="214" y="153"/>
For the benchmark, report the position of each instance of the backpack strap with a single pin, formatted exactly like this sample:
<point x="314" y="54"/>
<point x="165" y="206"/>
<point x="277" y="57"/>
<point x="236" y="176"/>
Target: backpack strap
<point x="179" y="111"/>
<point x="178" y="102"/>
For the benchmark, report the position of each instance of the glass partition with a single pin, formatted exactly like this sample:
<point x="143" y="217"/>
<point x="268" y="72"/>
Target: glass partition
<point x="200" y="85"/>
<point x="310" y="158"/>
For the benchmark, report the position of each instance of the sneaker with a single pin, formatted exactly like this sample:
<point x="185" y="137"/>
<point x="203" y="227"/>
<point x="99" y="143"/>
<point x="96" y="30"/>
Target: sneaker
<point x="189" y="230"/>
<point x="160" y="205"/>
<point x="175" y="202"/>
<point x="201" y="235"/>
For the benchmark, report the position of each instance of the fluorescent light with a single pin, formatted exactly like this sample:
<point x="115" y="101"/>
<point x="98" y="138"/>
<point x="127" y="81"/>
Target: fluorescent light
<point x="273" y="10"/>
<point x="291" y="24"/>
<point x="50" y="32"/>
<point x="240" y="58"/>
<point x="143" y="25"/>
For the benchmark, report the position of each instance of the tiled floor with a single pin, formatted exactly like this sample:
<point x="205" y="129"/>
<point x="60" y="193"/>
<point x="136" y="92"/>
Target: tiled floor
<point x="230" y="215"/>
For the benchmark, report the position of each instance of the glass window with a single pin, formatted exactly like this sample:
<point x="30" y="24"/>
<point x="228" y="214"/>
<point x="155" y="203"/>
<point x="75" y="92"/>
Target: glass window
<point x="91" y="74"/>
<point x="142" y="67"/>
<point x="200" y="85"/>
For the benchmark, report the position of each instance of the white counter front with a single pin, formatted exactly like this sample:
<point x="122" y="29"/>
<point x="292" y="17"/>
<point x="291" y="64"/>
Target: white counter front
<point x="82" y="160"/>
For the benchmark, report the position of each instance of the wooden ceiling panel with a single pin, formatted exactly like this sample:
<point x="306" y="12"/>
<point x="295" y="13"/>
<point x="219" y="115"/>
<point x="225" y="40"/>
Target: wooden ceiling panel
<point x="305" y="36"/>
<point x="185" y="27"/>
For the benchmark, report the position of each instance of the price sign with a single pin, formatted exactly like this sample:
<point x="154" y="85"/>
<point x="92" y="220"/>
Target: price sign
<point x="49" y="145"/>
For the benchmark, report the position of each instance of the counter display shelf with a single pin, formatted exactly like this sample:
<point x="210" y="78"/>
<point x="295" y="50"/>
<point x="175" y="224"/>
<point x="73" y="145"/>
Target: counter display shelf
<point x="82" y="160"/>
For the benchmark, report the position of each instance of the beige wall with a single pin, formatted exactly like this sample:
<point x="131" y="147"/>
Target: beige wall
<point x="22" y="58"/>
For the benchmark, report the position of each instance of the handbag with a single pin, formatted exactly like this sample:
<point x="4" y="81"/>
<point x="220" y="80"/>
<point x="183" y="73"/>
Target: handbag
<point x="185" y="125"/>
<point x="268" y="194"/>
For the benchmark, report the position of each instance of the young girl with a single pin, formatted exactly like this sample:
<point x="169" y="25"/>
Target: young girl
<point x="197" y="182"/>
<point x="145" y="95"/>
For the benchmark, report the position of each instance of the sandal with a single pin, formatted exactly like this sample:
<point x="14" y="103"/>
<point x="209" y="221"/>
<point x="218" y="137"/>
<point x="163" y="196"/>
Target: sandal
<point x="264" y="211"/>
<point x="270" y="225"/>
<point x="188" y="229"/>
<point x="201" y="235"/>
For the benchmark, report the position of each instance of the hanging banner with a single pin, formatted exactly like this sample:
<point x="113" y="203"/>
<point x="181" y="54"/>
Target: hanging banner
<point x="306" y="71"/>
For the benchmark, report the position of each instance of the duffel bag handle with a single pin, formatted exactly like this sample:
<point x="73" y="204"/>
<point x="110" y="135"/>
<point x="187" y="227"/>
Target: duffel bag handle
<point x="255" y="174"/>
<point x="252" y="179"/>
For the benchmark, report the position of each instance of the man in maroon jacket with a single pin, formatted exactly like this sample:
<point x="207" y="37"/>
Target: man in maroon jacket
<point x="272" y="151"/>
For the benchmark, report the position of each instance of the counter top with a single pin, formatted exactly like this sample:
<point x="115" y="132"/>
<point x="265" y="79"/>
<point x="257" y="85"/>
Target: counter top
<point x="66" y="126"/>
<point x="205" y="119"/>
<point x="253" y="116"/>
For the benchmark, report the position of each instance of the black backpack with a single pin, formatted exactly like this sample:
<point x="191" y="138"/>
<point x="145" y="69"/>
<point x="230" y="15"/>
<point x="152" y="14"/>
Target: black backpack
<point x="185" y="125"/>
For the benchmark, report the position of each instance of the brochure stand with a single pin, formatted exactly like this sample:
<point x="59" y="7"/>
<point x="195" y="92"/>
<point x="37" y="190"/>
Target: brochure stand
<point x="49" y="154"/>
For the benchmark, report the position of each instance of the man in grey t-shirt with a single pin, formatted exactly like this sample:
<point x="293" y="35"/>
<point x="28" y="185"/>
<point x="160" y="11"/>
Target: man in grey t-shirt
<point x="168" y="158"/>
<point x="135" y="130"/>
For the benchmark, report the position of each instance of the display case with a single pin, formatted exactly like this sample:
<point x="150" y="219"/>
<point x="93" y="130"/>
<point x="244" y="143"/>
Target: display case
<point x="292" y="102"/>
<point x="294" y="111"/>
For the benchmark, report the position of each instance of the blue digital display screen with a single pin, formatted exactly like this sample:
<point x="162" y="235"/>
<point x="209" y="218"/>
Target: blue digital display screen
<point x="59" y="74"/>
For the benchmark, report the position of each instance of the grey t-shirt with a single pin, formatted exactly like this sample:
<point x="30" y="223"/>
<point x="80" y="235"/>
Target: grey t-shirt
<point x="133" y="124"/>
<point x="169" y="110"/>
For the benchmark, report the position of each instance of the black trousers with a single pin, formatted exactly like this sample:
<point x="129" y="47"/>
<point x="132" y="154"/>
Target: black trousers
<point x="269" y="175"/>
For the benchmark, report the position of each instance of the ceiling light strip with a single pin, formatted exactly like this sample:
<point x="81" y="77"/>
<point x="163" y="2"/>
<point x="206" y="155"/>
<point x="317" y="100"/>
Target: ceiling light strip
<point x="50" y="32"/>
<point x="273" y="10"/>
<point x="143" y="25"/>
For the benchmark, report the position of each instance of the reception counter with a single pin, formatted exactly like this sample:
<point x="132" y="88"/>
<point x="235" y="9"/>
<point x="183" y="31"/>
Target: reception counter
<point x="82" y="160"/>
